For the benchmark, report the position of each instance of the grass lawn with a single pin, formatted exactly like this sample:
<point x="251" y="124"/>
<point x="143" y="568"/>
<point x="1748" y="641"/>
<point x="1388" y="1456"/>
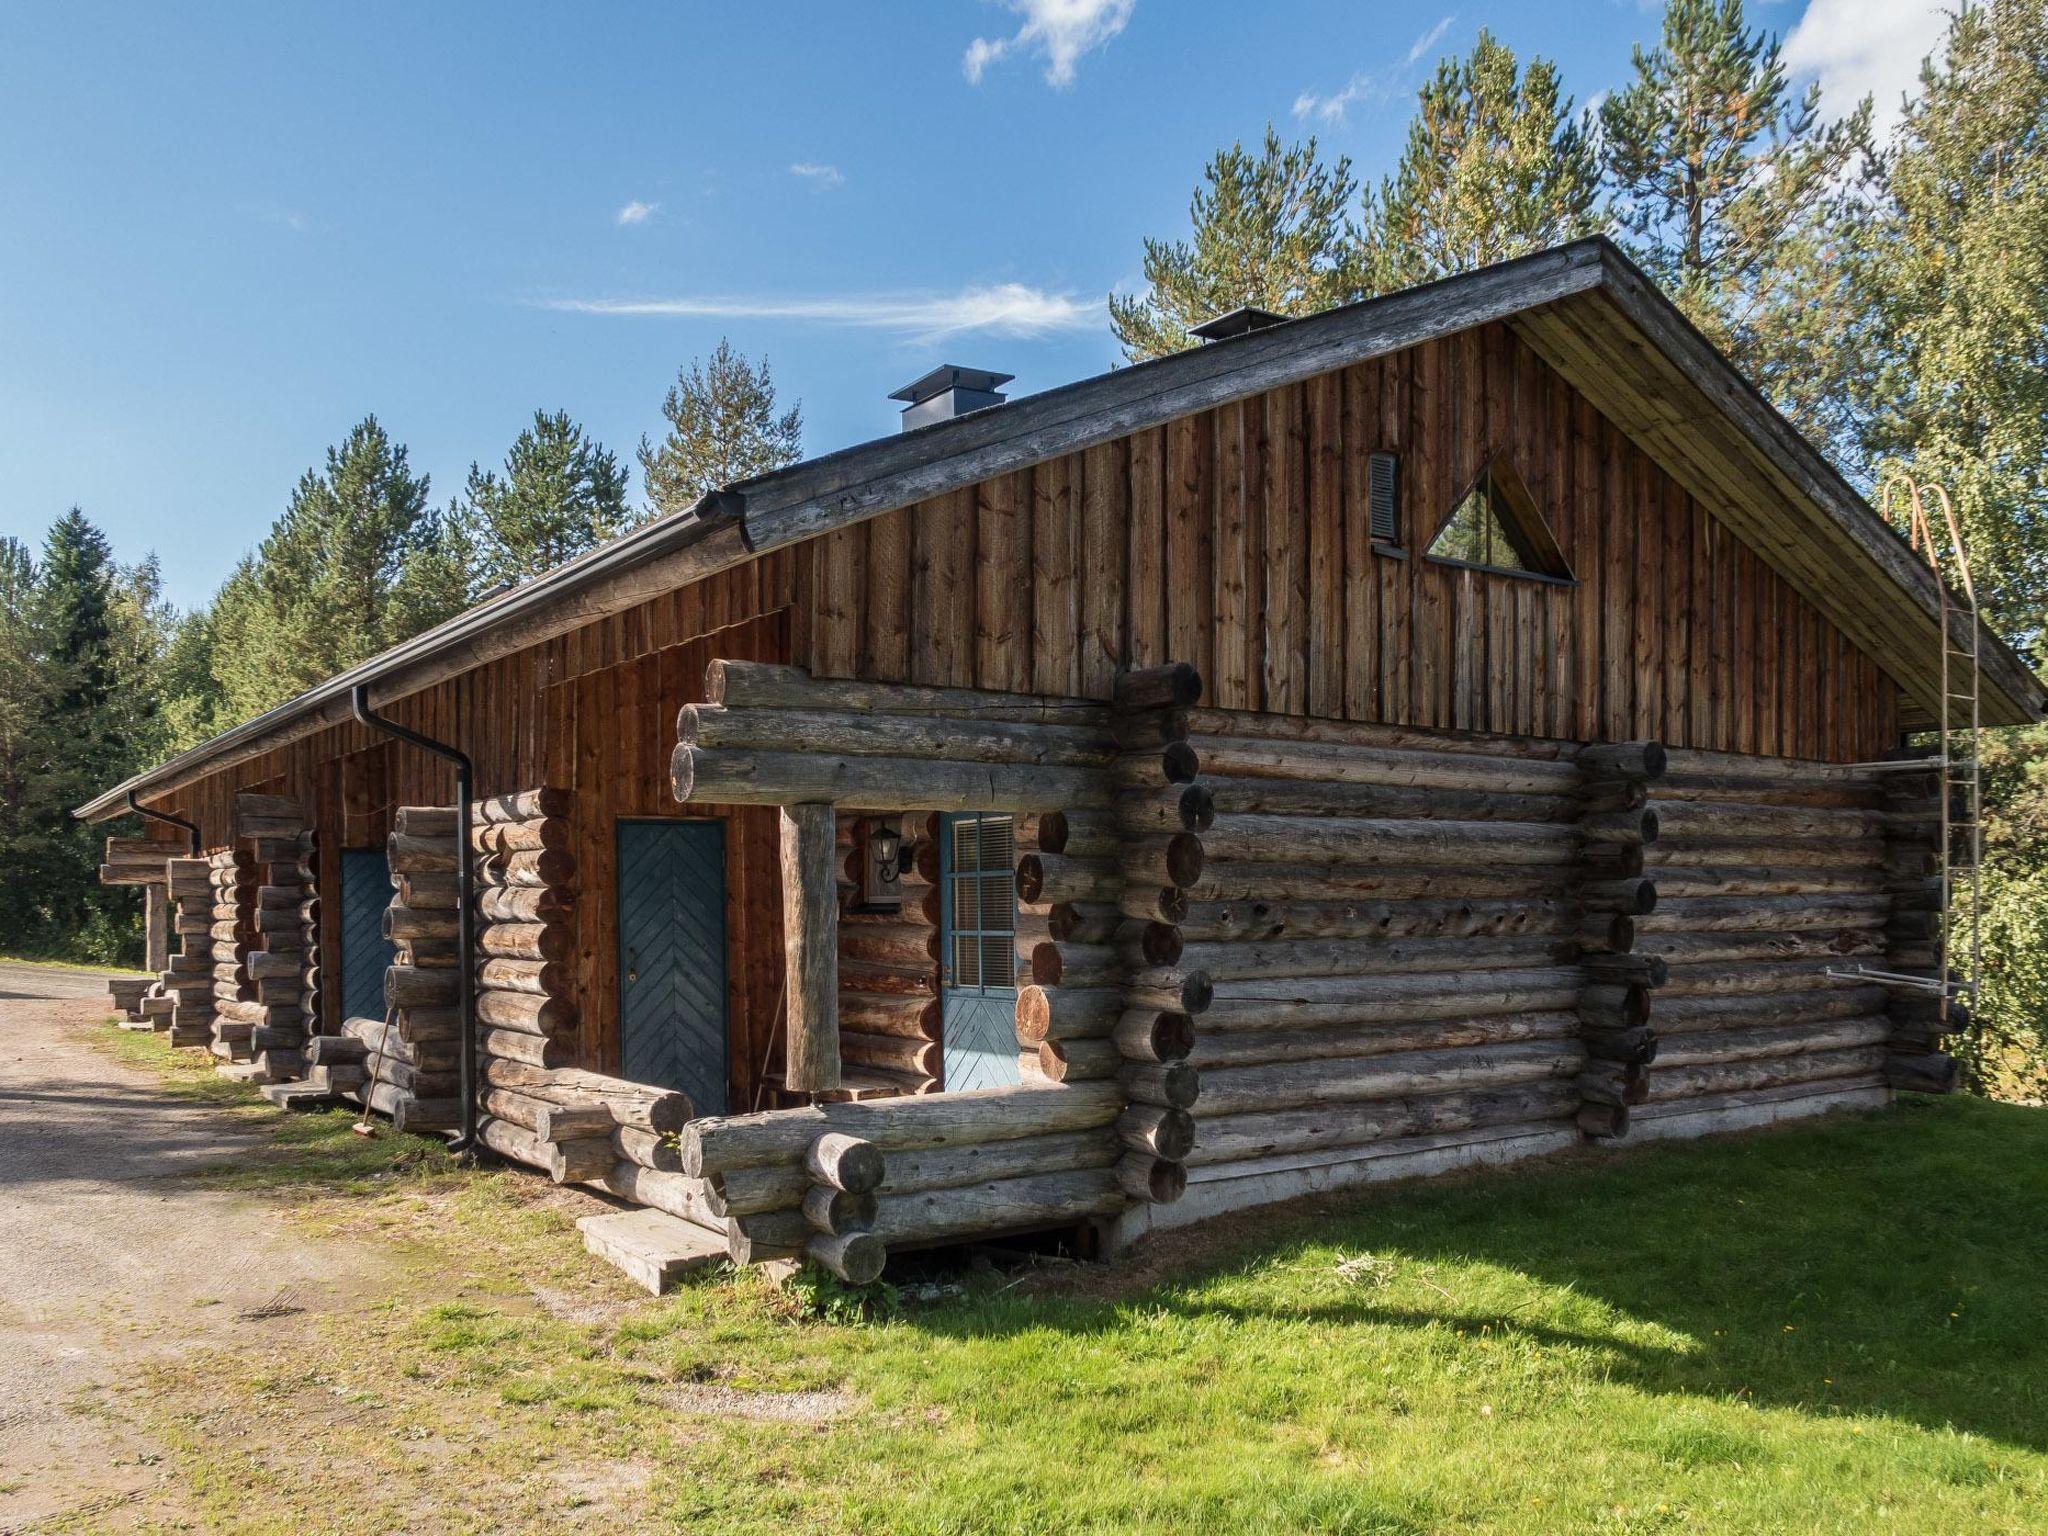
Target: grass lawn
<point x="1834" y="1328"/>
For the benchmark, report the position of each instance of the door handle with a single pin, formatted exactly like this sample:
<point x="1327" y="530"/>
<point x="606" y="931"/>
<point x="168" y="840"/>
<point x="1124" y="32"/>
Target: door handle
<point x="632" y="965"/>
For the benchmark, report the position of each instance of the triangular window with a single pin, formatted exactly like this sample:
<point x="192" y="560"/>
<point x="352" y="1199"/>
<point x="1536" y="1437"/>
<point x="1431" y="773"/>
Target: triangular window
<point x="1497" y="527"/>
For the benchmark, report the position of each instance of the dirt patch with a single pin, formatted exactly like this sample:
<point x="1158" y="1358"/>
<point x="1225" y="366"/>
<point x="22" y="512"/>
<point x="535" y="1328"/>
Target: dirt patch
<point x="763" y="1407"/>
<point x="121" y="1259"/>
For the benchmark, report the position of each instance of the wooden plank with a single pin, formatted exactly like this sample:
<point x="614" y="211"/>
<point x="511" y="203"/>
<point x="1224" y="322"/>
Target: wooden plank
<point x="1324" y="593"/>
<point x="1002" y="596"/>
<point x="810" y="917"/>
<point x="1190" y="529"/>
<point x="1103" y="555"/>
<point x="1055" y="580"/>
<point x="1145" y="562"/>
<point x="1232" y="683"/>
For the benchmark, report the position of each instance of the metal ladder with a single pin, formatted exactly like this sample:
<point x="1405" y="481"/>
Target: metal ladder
<point x="1959" y="722"/>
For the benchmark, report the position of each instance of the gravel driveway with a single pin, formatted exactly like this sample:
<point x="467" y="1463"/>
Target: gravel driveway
<point x="108" y="1256"/>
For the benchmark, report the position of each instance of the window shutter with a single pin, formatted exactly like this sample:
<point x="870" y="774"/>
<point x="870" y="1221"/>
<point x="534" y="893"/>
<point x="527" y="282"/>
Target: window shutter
<point x="1385" y="520"/>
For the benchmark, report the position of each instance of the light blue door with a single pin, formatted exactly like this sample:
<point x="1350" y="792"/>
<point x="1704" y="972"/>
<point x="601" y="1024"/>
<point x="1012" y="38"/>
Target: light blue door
<point x="365" y="952"/>
<point x="672" y="958"/>
<point x="978" y="976"/>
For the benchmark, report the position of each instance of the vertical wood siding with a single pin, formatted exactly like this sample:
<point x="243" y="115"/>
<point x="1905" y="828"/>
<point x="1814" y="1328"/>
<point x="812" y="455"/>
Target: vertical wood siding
<point x="1236" y="540"/>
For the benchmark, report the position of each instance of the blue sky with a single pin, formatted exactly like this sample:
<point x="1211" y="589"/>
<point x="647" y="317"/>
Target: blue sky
<point x="228" y="232"/>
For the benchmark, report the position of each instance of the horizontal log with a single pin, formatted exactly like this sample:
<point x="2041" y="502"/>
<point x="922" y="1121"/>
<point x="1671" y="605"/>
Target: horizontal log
<point x="523" y="805"/>
<point x="420" y="855"/>
<point x="878" y="783"/>
<point x="1720" y="978"/>
<point x="767" y="685"/>
<point x="1698" y="821"/>
<point x="514" y="904"/>
<point x="1226" y="757"/>
<point x="525" y="941"/>
<point x="540" y="977"/>
<point x="525" y="1012"/>
<point x="1153" y="1034"/>
<point x="435" y="822"/>
<point x="1374" y="957"/>
<point x="1214" y="1049"/>
<point x="1315" y="798"/>
<point x="534" y="1050"/>
<point x="1053" y="878"/>
<point x="662" y="1111"/>
<point x="1385" y="840"/>
<point x="1696" y="948"/>
<point x="998" y="1205"/>
<point x="1268" y="920"/>
<point x="1309" y="1002"/>
<point x="534" y="867"/>
<point x="1292" y="1085"/>
<point x="647" y="1149"/>
<point x="1075" y="1061"/>
<point x="1709" y="1012"/>
<point x="1681" y="882"/>
<point x="858" y="1258"/>
<point x="413" y="987"/>
<point x="1250" y="1137"/>
<point x="893" y="1053"/>
<point x="1705" y="1047"/>
<point x="1068" y="1013"/>
<point x="906" y="1015"/>
<point x="839" y="1211"/>
<point x="519" y="836"/>
<point x="1247" y="880"/>
<point x="1672" y="1083"/>
<point x="1922" y="1072"/>
<point x="1740" y="914"/>
<point x="717" y="1144"/>
<point x="878" y="733"/>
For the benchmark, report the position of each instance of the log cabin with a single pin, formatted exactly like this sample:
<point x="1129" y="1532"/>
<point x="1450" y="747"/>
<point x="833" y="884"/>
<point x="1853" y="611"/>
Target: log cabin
<point x="1441" y="730"/>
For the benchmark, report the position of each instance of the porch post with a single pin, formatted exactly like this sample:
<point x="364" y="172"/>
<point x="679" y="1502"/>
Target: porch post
<point x="810" y="934"/>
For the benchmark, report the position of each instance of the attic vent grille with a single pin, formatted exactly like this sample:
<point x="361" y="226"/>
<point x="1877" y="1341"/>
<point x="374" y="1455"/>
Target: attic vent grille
<point x="1382" y="509"/>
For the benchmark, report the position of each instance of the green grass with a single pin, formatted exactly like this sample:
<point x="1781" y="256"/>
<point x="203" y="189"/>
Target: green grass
<point x="1831" y="1328"/>
<point x="63" y="961"/>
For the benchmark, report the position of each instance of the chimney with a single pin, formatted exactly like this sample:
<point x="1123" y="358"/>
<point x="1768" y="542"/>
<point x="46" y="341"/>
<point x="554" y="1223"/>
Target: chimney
<point x="1238" y="322"/>
<point x="949" y="391"/>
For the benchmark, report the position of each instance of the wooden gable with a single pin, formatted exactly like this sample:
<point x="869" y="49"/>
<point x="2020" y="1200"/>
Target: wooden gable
<point x="1236" y="538"/>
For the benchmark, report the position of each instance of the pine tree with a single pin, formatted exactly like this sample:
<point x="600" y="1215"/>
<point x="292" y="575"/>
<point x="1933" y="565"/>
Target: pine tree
<point x="1957" y="266"/>
<point x="1496" y="165"/>
<point x="1268" y="230"/>
<point x="357" y="563"/>
<point x="560" y="494"/>
<point x="1737" y="198"/>
<point x="722" y="428"/>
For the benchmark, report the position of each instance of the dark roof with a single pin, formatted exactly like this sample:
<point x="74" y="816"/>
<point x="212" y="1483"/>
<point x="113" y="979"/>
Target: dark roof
<point x="1584" y="307"/>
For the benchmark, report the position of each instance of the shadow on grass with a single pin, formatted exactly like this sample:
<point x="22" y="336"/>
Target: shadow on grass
<point x="1893" y="1263"/>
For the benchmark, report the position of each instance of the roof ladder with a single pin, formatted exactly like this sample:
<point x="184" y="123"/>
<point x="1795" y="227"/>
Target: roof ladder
<point x="1959" y="722"/>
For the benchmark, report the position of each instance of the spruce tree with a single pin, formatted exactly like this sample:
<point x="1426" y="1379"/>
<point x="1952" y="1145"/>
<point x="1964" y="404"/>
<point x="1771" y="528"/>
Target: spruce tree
<point x="1956" y="264"/>
<point x="722" y="427"/>
<point x="1269" y="230"/>
<point x="560" y="493"/>
<point x="1738" y="199"/>
<point x="1496" y="165"/>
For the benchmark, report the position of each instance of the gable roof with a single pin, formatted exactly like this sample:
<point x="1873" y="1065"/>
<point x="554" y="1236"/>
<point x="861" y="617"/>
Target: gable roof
<point x="1583" y="307"/>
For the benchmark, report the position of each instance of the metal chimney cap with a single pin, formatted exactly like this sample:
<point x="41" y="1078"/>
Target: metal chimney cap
<point x="951" y="376"/>
<point x="1241" y="321"/>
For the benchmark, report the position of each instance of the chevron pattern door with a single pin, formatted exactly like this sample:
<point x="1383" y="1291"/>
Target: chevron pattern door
<point x="978" y="975"/>
<point x="672" y="958"/>
<point x="365" y="952"/>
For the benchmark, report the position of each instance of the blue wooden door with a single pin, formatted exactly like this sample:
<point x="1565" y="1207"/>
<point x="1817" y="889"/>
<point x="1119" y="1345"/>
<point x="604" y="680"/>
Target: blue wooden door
<point x="672" y="958"/>
<point x="978" y="974"/>
<point x="365" y="952"/>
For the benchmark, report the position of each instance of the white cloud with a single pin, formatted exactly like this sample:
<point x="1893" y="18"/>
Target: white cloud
<point x="1854" y="47"/>
<point x="1372" y="85"/>
<point x="820" y="176"/>
<point x="1062" y="30"/>
<point x="1006" y="309"/>
<point x="636" y="212"/>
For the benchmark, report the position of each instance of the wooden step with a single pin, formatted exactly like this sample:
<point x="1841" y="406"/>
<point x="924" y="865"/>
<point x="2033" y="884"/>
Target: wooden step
<point x="652" y="1248"/>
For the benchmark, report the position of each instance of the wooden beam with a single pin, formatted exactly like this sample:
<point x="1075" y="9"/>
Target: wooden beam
<point x="810" y="934"/>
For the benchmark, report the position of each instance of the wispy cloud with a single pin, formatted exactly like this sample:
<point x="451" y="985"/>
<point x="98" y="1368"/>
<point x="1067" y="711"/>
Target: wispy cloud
<point x="1369" y="85"/>
<point x="1865" y="47"/>
<point x="1006" y="309"/>
<point x="636" y="212"/>
<point x="284" y="218"/>
<point x="1061" y="30"/>
<point x="820" y="176"/>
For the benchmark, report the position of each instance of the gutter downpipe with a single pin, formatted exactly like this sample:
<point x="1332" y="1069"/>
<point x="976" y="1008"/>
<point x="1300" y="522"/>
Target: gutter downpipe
<point x="465" y="900"/>
<point x="191" y="827"/>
